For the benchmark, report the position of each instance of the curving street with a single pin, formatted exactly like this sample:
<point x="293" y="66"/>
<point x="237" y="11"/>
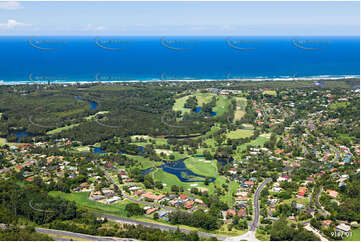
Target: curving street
<point x="55" y="233"/>
<point x="158" y="226"/>
<point x="256" y="203"/>
<point x="251" y="234"/>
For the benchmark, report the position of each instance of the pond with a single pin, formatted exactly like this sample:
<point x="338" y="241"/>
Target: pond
<point x="198" y="109"/>
<point x="180" y="170"/>
<point x="224" y="163"/>
<point x="20" y="134"/>
<point x="98" y="151"/>
<point x="141" y="149"/>
<point x="93" y="105"/>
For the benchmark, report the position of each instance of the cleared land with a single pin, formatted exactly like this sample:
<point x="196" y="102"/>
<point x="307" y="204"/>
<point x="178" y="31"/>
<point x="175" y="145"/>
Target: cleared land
<point x="58" y="130"/>
<point x="222" y="105"/>
<point x="202" y="98"/>
<point x="81" y="198"/>
<point x="272" y="93"/>
<point x="355" y="235"/>
<point x="239" y="133"/>
<point x="241" y="103"/>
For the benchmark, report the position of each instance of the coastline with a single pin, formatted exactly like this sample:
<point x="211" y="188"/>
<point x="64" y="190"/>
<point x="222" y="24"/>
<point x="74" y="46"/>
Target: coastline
<point x="241" y="79"/>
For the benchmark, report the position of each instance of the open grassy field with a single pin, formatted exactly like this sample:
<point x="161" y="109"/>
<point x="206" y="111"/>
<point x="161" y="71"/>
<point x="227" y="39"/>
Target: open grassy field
<point x="148" y="140"/>
<point x="58" y="130"/>
<point x="4" y="142"/>
<point x="238" y="114"/>
<point x="239" y="133"/>
<point x="179" y="104"/>
<point x="144" y="163"/>
<point x="259" y="141"/>
<point x="170" y="179"/>
<point x="201" y="98"/>
<point x="241" y="103"/>
<point x="270" y="92"/>
<point x="222" y="105"/>
<point x="234" y="232"/>
<point x="355" y="235"/>
<point x="305" y="201"/>
<point x="82" y="148"/>
<point x="202" y="167"/>
<point x="81" y="199"/>
<point x="205" y="168"/>
<point x="336" y="105"/>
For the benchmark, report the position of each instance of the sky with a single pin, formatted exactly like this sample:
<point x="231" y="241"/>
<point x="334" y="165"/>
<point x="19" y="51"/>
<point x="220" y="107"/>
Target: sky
<point x="180" y="18"/>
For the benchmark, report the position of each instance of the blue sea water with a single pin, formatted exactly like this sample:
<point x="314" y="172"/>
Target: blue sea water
<point x="70" y="59"/>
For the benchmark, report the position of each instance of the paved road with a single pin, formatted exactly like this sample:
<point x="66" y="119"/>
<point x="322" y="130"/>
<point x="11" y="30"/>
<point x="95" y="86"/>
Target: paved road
<point x="264" y="113"/>
<point x="54" y="233"/>
<point x="315" y="231"/>
<point x="323" y="211"/>
<point x="158" y="226"/>
<point x="337" y="157"/>
<point x="249" y="236"/>
<point x="256" y="203"/>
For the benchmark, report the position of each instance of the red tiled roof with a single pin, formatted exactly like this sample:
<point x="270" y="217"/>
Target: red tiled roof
<point x="189" y="204"/>
<point x="231" y="212"/>
<point x="150" y="195"/>
<point x="242" y="212"/>
<point x="151" y="210"/>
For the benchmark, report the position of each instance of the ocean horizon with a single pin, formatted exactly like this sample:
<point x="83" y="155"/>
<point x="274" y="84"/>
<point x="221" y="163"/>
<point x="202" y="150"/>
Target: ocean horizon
<point x="69" y="59"/>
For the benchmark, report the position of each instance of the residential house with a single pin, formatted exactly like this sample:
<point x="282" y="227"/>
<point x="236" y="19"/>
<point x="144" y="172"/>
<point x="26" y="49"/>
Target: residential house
<point x="332" y="193"/>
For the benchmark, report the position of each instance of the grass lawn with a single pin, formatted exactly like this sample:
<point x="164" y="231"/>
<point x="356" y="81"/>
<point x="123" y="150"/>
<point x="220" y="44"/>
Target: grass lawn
<point x="158" y="141"/>
<point x="336" y="105"/>
<point x="304" y="201"/>
<point x="4" y="142"/>
<point x="58" y="130"/>
<point x="228" y="198"/>
<point x="81" y="199"/>
<point x="238" y="115"/>
<point x="202" y="167"/>
<point x="241" y="103"/>
<point x="179" y="104"/>
<point x="224" y="231"/>
<point x="202" y="98"/>
<point x="170" y="179"/>
<point x="239" y="133"/>
<point x="222" y="105"/>
<point x="94" y="115"/>
<point x="355" y="235"/>
<point x="82" y="148"/>
<point x="259" y="141"/>
<point x="65" y="237"/>
<point x="270" y="92"/>
<point x="144" y="163"/>
<point x="263" y="237"/>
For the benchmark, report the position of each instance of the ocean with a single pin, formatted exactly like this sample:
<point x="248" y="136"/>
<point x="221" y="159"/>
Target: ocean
<point x="111" y="58"/>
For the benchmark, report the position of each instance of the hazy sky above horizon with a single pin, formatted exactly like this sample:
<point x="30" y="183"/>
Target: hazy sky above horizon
<point x="180" y="18"/>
